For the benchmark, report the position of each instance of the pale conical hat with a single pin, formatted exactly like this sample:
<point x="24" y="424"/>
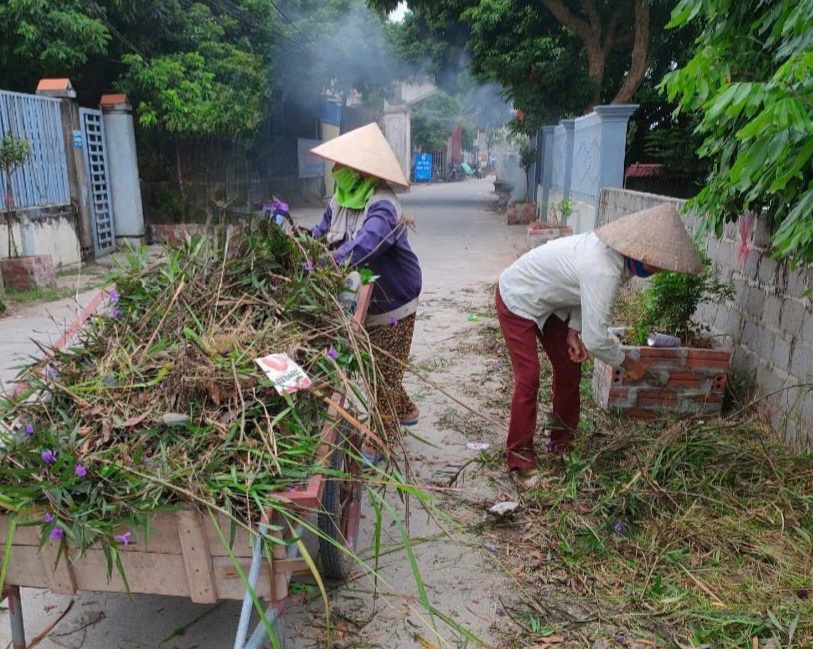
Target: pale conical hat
<point x="656" y="236"/>
<point x="365" y="149"/>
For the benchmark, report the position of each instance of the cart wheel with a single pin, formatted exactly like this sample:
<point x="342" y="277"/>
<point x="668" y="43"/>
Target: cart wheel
<point x="341" y="504"/>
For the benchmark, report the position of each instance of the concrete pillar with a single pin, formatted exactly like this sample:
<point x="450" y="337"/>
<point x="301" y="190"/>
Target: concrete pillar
<point x="330" y="131"/>
<point x="122" y="172"/>
<point x="75" y="159"/>
<point x="397" y="130"/>
<point x="546" y="178"/>
<point x="569" y="125"/>
<point x="612" y="145"/>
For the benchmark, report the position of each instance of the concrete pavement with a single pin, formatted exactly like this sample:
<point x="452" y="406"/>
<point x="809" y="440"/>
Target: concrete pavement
<point x="463" y="245"/>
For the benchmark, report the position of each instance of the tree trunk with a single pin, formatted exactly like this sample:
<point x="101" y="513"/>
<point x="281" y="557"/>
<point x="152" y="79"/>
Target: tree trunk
<point x="639" y="59"/>
<point x="596" y="62"/>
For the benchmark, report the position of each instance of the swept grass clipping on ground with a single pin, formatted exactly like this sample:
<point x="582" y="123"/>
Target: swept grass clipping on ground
<point x="694" y="534"/>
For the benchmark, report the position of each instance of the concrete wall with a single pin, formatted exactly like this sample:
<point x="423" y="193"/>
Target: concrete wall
<point x="52" y="234"/>
<point x="579" y="157"/>
<point x="768" y="325"/>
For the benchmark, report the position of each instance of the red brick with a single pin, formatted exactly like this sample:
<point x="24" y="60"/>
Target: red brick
<point x="707" y="363"/>
<point x="28" y="272"/>
<point x="673" y="354"/>
<point x="711" y="354"/>
<point x="656" y="397"/>
<point x="639" y="413"/>
<point x="684" y="384"/>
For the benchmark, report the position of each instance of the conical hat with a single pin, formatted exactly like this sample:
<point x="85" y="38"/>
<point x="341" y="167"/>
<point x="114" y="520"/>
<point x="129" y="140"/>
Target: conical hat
<point x="367" y="150"/>
<point x="655" y="236"/>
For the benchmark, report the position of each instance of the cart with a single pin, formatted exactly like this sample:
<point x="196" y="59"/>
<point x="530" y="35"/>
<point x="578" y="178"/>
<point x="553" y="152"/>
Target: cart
<point x="184" y="554"/>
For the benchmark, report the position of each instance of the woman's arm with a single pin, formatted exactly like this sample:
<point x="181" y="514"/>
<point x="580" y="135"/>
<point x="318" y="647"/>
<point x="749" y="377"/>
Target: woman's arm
<point x="378" y="234"/>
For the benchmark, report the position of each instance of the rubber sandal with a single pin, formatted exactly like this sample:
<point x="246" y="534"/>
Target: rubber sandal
<point x="412" y="418"/>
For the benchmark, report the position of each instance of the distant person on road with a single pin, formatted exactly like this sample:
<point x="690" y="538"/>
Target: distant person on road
<point x="365" y="227"/>
<point x="561" y="294"/>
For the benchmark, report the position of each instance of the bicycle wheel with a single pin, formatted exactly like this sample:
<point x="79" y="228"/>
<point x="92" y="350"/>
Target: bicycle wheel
<point x="341" y="505"/>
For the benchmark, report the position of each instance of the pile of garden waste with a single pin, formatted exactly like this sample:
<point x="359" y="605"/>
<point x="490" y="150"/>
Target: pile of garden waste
<point x="159" y="400"/>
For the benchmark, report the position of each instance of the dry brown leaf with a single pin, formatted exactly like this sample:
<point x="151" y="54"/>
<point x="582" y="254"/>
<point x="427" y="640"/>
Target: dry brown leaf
<point x="134" y="421"/>
<point x="107" y="427"/>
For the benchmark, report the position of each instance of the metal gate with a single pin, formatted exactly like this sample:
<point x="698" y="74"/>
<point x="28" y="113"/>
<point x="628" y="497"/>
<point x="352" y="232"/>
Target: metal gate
<point x="104" y="238"/>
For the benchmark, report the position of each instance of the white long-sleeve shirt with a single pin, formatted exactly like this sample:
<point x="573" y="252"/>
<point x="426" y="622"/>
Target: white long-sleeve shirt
<point x="573" y="277"/>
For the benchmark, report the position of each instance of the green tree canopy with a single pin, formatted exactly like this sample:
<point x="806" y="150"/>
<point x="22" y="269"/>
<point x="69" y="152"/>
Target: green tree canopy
<point x="751" y="83"/>
<point x="553" y="57"/>
<point x="196" y="67"/>
<point x="433" y="120"/>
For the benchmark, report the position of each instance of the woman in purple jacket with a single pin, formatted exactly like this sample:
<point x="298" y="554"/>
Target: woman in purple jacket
<point x="364" y="226"/>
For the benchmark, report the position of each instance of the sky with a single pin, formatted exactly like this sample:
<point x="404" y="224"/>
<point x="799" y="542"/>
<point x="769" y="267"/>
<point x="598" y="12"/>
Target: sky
<point x="398" y="14"/>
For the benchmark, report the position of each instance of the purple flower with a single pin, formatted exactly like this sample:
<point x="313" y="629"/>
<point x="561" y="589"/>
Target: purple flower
<point x="81" y="471"/>
<point x="57" y="533"/>
<point x="29" y="430"/>
<point x="49" y="517"/>
<point x="619" y="526"/>
<point x="621" y="638"/>
<point x="50" y="372"/>
<point x="123" y="538"/>
<point x="114" y="296"/>
<point x="279" y="206"/>
<point x="332" y="353"/>
<point x="308" y="265"/>
<point x="48" y="457"/>
<point x="393" y="320"/>
<point x="115" y="313"/>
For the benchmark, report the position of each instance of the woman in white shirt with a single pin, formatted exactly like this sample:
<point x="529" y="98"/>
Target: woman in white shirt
<point x="561" y="294"/>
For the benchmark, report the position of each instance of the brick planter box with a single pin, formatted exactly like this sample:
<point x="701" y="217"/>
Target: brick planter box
<point x="521" y="213"/>
<point x="31" y="271"/>
<point x="536" y="235"/>
<point x="683" y="380"/>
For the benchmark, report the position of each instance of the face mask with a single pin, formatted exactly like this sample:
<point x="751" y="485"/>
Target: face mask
<point x="636" y="267"/>
<point x="346" y="178"/>
<point x="353" y="191"/>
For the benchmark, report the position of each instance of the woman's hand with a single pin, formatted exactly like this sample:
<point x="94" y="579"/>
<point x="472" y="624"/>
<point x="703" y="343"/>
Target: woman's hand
<point x="635" y="369"/>
<point x="575" y="347"/>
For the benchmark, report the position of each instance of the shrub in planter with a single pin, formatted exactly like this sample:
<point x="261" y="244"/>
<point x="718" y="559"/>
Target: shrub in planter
<point x="540" y="232"/>
<point x="689" y="378"/>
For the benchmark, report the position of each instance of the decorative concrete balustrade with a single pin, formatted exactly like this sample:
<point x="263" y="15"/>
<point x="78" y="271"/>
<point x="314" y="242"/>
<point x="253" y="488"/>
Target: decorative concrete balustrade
<point x="579" y="158"/>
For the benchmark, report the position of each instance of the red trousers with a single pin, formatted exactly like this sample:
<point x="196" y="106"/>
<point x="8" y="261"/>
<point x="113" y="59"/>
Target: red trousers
<point x="520" y="336"/>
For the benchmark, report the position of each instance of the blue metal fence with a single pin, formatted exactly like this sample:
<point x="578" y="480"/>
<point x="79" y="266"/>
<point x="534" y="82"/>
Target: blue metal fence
<point x="43" y="180"/>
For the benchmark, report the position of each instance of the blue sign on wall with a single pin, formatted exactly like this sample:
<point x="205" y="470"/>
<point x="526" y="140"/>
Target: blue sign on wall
<point x="78" y="140"/>
<point x="423" y="167"/>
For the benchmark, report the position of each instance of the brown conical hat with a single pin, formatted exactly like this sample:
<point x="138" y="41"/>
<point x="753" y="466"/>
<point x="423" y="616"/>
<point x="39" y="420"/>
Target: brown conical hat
<point x="365" y="149"/>
<point x="655" y="236"/>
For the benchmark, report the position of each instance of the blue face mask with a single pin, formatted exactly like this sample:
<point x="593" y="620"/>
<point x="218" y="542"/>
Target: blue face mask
<point x="636" y="267"/>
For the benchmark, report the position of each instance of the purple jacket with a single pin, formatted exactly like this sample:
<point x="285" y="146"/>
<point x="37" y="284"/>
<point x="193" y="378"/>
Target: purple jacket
<point x="381" y="245"/>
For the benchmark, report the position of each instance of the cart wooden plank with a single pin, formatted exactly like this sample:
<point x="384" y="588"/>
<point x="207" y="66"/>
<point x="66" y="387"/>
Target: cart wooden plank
<point x="196" y="557"/>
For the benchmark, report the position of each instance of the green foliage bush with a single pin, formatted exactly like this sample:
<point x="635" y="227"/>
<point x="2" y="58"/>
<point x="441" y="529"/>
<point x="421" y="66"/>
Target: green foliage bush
<point x="749" y="82"/>
<point x="670" y="300"/>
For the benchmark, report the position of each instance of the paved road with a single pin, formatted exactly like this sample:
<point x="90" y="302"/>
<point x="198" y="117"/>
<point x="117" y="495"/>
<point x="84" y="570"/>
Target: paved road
<point x="462" y="245"/>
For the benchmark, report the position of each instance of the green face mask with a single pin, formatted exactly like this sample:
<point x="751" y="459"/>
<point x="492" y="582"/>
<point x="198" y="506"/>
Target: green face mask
<point x="352" y="191"/>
